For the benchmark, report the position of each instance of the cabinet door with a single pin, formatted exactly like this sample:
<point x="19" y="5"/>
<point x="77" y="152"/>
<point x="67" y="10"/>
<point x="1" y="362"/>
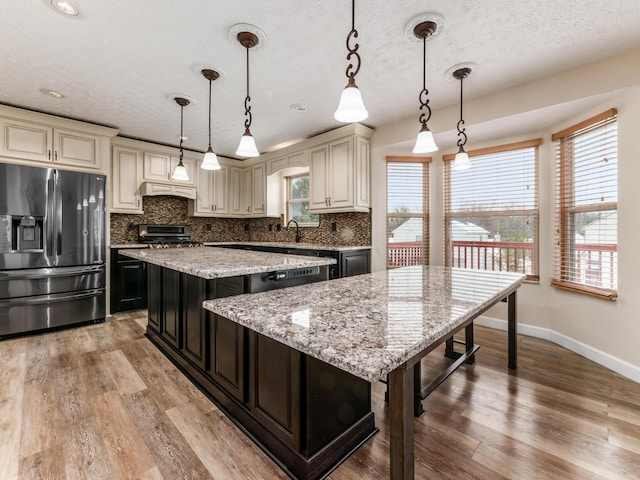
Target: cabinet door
<point x="341" y="174"/>
<point x="130" y="286"/>
<point x="220" y="186"/>
<point x="154" y="297"/>
<point x="247" y="190"/>
<point x="189" y="165"/>
<point x="275" y="387"/>
<point x="157" y="167"/>
<point x="318" y="178"/>
<point x="354" y="263"/>
<point x="259" y="190"/>
<point x="126" y="175"/>
<point x="77" y="149"/>
<point x="170" y="297"/>
<point x="227" y="340"/>
<point x="236" y="191"/>
<point x="204" y="197"/>
<point x="194" y="331"/>
<point x="26" y="140"/>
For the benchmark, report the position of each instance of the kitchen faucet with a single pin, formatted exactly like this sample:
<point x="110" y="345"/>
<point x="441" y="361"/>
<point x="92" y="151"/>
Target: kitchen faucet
<point x="298" y="236"/>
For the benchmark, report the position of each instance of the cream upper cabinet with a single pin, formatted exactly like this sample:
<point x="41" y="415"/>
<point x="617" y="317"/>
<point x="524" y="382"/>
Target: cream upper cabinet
<point x="236" y="191"/>
<point x="339" y="176"/>
<point x="212" y="197"/>
<point x="35" y="142"/>
<point x="259" y="189"/>
<point x="247" y="188"/>
<point x="158" y="167"/>
<point x="126" y="176"/>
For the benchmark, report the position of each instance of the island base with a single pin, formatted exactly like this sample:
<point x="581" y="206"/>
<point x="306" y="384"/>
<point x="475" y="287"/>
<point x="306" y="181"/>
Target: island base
<point x="306" y="415"/>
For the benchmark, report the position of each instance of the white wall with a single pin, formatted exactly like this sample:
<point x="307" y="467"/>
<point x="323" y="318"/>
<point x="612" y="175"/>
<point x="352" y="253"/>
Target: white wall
<point x="606" y="331"/>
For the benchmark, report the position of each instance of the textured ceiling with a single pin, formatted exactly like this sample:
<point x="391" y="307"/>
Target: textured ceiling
<point x="120" y="62"/>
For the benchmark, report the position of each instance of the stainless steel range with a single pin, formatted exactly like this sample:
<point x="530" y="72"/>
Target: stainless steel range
<point x="52" y="248"/>
<point x="166" y="236"/>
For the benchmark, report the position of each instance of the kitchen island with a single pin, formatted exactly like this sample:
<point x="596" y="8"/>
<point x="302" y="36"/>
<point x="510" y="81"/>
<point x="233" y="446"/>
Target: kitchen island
<point x="376" y="325"/>
<point x="305" y="414"/>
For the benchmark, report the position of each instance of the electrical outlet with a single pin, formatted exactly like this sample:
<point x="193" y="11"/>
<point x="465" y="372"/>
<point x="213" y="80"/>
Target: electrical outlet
<point x="208" y="227"/>
<point x="334" y="227"/>
<point x="278" y="227"/>
<point x="270" y="227"/>
<point x="131" y="226"/>
<point x="246" y="227"/>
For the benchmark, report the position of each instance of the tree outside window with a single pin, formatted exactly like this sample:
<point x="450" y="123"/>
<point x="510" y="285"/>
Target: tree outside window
<point x="298" y="201"/>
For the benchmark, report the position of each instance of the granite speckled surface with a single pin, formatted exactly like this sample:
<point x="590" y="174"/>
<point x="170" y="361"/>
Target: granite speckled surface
<point x="308" y="246"/>
<point x="211" y="262"/>
<point x="130" y="245"/>
<point x="369" y="324"/>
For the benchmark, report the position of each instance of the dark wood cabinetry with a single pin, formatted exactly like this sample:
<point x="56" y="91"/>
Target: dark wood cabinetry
<point x="128" y="283"/>
<point x="305" y="414"/>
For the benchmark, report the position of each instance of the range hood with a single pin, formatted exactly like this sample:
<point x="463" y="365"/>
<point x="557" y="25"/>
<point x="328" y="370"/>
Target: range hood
<point x="150" y="188"/>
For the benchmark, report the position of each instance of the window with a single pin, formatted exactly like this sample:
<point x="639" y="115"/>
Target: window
<point x="491" y="210"/>
<point x="298" y="201"/>
<point x="586" y="251"/>
<point x="407" y="211"/>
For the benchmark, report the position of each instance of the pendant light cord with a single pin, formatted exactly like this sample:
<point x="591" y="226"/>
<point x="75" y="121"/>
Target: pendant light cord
<point x="352" y="71"/>
<point x="461" y="130"/>
<point x="424" y="94"/>
<point x="181" y="124"/>
<point x="209" y="113"/>
<point x="247" y="107"/>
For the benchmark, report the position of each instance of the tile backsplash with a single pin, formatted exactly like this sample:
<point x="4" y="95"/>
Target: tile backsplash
<point x="350" y="228"/>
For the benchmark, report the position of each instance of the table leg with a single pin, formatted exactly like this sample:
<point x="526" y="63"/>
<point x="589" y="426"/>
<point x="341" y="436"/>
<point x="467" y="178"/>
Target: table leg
<point x="512" y="327"/>
<point x="401" y="398"/>
<point x="417" y="390"/>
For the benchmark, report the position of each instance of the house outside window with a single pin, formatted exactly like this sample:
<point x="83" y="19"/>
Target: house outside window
<point x="407" y="211"/>
<point x="491" y="210"/>
<point x="298" y="201"/>
<point x="586" y="227"/>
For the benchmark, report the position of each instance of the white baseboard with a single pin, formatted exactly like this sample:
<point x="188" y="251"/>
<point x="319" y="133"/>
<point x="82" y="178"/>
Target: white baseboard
<point x="606" y="360"/>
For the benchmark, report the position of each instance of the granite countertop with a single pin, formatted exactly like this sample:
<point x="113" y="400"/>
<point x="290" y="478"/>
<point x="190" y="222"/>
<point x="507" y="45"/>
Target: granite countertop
<point x="131" y="245"/>
<point x="307" y="246"/>
<point x="223" y="262"/>
<point x="369" y="324"/>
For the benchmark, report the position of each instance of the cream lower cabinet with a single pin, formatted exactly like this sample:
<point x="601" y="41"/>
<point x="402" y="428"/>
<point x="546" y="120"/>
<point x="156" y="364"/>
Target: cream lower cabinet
<point x="212" y="197"/>
<point x="41" y="143"/>
<point x="126" y="176"/>
<point x="339" y="176"/>
<point x="159" y="167"/>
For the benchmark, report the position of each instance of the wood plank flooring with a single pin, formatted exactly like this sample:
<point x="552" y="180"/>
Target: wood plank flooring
<point x="100" y="402"/>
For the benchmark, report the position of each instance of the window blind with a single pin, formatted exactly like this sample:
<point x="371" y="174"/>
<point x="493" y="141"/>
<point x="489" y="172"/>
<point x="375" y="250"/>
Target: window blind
<point x="586" y="223"/>
<point x="407" y="211"/>
<point x="491" y="210"/>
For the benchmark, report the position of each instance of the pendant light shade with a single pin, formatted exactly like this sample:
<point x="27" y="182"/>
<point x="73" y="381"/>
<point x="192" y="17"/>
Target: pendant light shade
<point x="210" y="160"/>
<point x="462" y="160"/>
<point x="180" y="173"/>
<point x="247" y="146"/>
<point x="425" y="142"/>
<point x="351" y="107"/>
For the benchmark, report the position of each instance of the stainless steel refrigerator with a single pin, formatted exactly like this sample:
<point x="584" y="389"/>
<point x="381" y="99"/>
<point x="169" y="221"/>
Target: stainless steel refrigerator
<point x="52" y="248"/>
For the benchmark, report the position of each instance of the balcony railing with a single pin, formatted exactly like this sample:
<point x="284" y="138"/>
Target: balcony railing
<point x="594" y="262"/>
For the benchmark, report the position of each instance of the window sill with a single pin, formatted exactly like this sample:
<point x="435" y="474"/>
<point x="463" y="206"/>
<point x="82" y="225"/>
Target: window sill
<point x="603" y="293"/>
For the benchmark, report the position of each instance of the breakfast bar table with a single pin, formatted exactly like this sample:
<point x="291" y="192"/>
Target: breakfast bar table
<point x="378" y="326"/>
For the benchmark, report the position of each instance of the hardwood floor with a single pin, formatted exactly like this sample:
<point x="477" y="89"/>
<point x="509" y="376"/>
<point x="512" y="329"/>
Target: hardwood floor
<point x="100" y="402"/>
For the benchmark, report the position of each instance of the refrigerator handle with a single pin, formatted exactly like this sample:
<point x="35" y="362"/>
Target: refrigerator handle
<point x="49" y="222"/>
<point x="58" y="215"/>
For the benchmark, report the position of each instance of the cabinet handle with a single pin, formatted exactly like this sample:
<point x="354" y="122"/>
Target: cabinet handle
<point x="262" y="207"/>
<point x="138" y="202"/>
<point x="249" y="209"/>
<point x="168" y="175"/>
<point x="326" y="201"/>
<point x="49" y="155"/>
<point x="329" y="201"/>
<point x="55" y="156"/>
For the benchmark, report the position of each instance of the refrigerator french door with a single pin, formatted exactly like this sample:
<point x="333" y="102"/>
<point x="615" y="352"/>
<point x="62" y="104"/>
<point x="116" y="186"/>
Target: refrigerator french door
<point x="52" y="248"/>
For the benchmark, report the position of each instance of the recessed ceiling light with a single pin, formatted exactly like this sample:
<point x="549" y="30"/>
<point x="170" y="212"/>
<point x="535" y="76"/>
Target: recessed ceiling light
<point x="298" y="107"/>
<point x="65" y="8"/>
<point x="52" y="93"/>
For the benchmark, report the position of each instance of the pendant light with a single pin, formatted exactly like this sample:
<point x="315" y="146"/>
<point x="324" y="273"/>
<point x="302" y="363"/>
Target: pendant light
<point x="461" y="161"/>
<point x="247" y="146"/>
<point x="351" y="108"/>
<point x="425" y="142"/>
<point x="210" y="160"/>
<point x="180" y="173"/>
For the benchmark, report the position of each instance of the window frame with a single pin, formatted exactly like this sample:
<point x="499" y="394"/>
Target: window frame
<point x="289" y="201"/>
<point x="425" y="215"/>
<point x="449" y="215"/>
<point x="565" y="186"/>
